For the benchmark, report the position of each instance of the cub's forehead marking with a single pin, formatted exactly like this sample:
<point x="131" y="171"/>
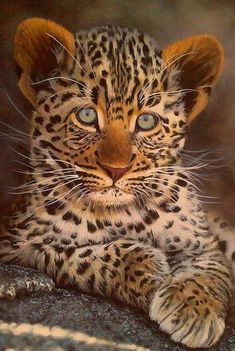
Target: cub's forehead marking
<point x="122" y="65"/>
<point x="123" y="50"/>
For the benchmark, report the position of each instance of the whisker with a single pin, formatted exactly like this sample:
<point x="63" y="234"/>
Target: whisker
<point x="84" y="191"/>
<point x="165" y="66"/>
<point x="16" y="108"/>
<point x="207" y="150"/>
<point x="53" y="201"/>
<point x="49" y="159"/>
<point x="204" y="155"/>
<point x="23" y="140"/>
<point x="49" y="180"/>
<point x="73" y="178"/>
<point x="64" y="78"/>
<point x="189" y="183"/>
<point x="166" y="92"/>
<point x="76" y="98"/>
<point x="54" y="171"/>
<point x="61" y="92"/>
<point x="158" y="191"/>
<point x="70" y="54"/>
<point x="89" y="62"/>
<point x="65" y="194"/>
<point x="15" y="130"/>
<point x="79" y="141"/>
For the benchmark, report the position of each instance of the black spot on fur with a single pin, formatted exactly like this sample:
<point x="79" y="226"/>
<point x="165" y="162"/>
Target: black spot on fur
<point x="47" y="108"/>
<point x="47" y="145"/>
<point x="86" y="253"/>
<point x="139" y="227"/>
<point x="169" y="225"/>
<point x="223" y="246"/>
<point x="70" y="251"/>
<point x="91" y="227"/>
<point x="82" y="268"/>
<point x="95" y="95"/>
<point x="55" y="119"/>
<point x="130" y="112"/>
<point x="181" y="182"/>
<point x="39" y="120"/>
<point x="36" y="133"/>
<point x="69" y="216"/>
<point x="51" y="207"/>
<point x="106" y="258"/>
<point x="104" y="73"/>
<point x="99" y="224"/>
<point x="223" y="225"/>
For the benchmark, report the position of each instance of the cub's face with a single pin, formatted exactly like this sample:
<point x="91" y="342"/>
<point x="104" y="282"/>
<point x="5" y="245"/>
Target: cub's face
<point x="111" y="116"/>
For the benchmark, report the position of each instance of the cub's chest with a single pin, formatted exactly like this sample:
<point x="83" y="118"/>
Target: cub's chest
<point x="171" y="230"/>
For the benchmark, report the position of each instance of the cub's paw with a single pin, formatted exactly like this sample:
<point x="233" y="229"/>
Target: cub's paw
<point x="17" y="281"/>
<point x="188" y="312"/>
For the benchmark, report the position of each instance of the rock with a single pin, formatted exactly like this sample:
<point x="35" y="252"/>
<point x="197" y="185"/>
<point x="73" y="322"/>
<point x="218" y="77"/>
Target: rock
<point x="16" y="281"/>
<point x="69" y="321"/>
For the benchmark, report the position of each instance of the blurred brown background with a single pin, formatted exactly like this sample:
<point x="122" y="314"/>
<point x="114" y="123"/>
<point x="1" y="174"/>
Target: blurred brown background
<point x="166" y="21"/>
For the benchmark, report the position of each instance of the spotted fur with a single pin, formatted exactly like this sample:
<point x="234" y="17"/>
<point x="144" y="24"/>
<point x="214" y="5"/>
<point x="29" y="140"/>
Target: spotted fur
<point x="145" y="240"/>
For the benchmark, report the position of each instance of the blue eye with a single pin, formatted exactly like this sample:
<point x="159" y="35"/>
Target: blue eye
<point x="146" y="121"/>
<point x="87" y="115"/>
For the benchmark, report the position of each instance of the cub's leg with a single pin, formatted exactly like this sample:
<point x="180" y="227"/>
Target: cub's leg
<point x="226" y="235"/>
<point x="192" y="307"/>
<point x="124" y="269"/>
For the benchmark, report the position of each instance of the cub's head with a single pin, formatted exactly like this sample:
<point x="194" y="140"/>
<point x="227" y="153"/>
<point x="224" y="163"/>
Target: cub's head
<point x="112" y="109"/>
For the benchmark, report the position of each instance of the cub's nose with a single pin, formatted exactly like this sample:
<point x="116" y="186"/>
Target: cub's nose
<point x="115" y="173"/>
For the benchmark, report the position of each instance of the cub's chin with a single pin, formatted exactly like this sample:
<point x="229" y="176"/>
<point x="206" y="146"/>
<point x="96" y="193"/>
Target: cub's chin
<point x="110" y="197"/>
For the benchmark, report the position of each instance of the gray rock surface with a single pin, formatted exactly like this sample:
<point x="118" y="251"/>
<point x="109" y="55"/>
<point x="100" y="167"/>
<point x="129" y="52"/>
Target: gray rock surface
<point x="70" y="321"/>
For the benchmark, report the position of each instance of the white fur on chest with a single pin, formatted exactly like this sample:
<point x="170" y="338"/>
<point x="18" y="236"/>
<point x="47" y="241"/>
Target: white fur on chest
<point x="124" y="223"/>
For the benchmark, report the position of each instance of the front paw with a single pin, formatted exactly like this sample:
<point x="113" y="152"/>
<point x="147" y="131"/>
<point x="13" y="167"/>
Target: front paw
<point x="188" y="311"/>
<point x="16" y="281"/>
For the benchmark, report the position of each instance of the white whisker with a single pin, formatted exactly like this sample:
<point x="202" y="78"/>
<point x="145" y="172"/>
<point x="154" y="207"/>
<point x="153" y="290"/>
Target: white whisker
<point x="61" y="92"/>
<point x="166" y="64"/>
<point x="63" y="78"/>
<point x="89" y="62"/>
<point x="70" y="54"/>
<point x="15" y="130"/>
<point x="16" y="108"/>
<point x="173" y="92"/>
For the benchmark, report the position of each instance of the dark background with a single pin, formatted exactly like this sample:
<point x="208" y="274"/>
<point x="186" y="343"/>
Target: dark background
<point x="166" y="21"/>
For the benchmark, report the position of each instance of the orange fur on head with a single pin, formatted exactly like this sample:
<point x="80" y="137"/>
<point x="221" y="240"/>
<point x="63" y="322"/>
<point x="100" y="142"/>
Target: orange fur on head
<point x="115" y="150"/>
<point x="200" y="59"/>
<point x="34" y="45"/>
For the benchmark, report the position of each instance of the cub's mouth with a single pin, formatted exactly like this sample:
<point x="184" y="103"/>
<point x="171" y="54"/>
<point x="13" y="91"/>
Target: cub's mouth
<point x="110" y="196"/>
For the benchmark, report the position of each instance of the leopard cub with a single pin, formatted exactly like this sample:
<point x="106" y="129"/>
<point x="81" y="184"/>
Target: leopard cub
<point x="109" y="206"/>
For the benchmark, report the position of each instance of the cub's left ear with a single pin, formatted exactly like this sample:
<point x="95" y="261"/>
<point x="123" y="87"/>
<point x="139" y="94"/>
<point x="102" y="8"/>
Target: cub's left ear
<point x="40" y="46"/>
<point x="199" y="60"/>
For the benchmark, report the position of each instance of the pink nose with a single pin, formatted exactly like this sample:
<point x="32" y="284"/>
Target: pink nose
<point x="115" y="173"/>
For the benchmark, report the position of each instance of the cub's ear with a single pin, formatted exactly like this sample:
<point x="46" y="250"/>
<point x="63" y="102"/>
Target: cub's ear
<point x="199" y="60"/>
<point x="40" y="46"/>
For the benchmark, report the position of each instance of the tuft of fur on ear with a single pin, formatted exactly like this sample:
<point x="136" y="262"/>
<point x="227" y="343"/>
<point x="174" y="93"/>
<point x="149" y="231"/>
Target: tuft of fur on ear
<point x="200" y="61"/>
<point x="36" y="43"/>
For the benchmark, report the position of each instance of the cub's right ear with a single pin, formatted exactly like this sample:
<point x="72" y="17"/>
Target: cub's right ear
<point x="40" y="46"/>
<point x="200" y="60"/>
